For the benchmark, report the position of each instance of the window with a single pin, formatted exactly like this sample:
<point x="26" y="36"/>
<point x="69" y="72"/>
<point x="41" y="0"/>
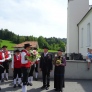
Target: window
<point x="81" y="37"/>
<point x="88" y="35"/>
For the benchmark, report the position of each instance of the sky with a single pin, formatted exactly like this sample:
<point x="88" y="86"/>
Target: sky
<point x="46" y="18"/>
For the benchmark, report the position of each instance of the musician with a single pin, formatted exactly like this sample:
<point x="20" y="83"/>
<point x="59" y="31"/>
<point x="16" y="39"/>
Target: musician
<point x="7" y="55"/>
<point x="36" y="67"/>
<point x="2" y="59"/>
<point x="26" y="64"/>
<point x="16" y="67"/>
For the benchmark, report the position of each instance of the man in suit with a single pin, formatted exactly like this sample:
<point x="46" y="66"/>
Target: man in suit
<point x="46" y="67"/>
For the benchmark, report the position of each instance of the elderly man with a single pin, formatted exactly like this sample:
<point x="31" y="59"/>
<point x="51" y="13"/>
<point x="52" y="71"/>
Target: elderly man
<point x="60" y="63"/>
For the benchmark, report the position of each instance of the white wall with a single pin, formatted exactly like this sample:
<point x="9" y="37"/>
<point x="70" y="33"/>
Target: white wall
<point x="77" y="69"/>
<point x="18" y="49"/>
<point x="83" y="24"/>
<point x="73" y="70"/>
<point x="76" y="10"/>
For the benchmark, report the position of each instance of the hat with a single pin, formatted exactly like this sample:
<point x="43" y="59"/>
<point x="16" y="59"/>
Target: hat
<point x="45" y="47"/>
<point x="60" y="50"/>
<point x="17" y="50"/>
<point x="27" y="45"/>
<point x="4" y="46"/>
<point x="35" y="48"/>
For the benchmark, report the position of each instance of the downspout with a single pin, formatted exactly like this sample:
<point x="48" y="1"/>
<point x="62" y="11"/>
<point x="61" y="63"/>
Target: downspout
<point x="78" y="37"/>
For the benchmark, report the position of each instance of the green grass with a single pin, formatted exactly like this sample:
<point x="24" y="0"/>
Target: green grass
<point x="41" y="50"/>
<point x="8" y="43"/>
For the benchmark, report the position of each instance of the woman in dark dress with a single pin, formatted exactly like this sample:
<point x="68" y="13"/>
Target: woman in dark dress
<point x="60" y="63"/>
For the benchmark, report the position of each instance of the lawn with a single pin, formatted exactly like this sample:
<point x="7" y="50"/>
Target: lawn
<point x="8" y="43"/>
<point x="41" y="50"/>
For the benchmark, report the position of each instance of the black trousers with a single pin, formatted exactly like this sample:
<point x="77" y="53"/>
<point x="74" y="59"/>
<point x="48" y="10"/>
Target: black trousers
<point x="46" y="77"/>
<point x="25" y="75"/>
<point x="6" y="66"/>
<point x="31" y="70"/>
<point x="17" y="71"/>
<point x="36" y="68"/>
<point x="1" y="71"/>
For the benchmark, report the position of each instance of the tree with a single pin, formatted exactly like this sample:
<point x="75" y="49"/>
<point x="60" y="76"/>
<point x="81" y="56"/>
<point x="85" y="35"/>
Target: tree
<point x="52" y="42"/>
<point x="42" y="42"/>
<point x="0" y="42"/>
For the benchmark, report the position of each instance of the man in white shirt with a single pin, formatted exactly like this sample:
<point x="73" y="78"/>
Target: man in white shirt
<point x="7" y="55"/>
<point x="26" y="64"/>
<point x="2" y="59"/>
<point x="16" y="67"/>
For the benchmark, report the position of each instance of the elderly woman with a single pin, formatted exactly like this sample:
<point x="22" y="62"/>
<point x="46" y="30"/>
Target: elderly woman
<point x="60" y="63"/>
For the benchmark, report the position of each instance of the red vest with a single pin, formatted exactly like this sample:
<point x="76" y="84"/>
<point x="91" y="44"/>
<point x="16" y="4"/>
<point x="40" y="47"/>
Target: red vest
<point x="1" y="57"/>
<point x="27" y="65"/>
<point x="6" y="54"/>
<point x="17" y="61"/>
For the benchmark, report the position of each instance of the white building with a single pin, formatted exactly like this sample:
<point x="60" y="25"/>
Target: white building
<point x="79" y="29"/>
<point x="85" y="33"/>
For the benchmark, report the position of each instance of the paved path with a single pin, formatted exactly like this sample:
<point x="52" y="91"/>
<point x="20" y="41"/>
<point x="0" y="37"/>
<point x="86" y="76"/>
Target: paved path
<point x="71" y="86"/>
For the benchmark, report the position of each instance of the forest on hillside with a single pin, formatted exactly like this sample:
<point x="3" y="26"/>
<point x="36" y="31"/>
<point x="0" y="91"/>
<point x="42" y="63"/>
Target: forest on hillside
<point x="53" y="43"/>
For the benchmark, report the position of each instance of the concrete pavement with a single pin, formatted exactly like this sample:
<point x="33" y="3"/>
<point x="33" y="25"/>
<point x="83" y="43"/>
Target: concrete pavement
<point x="70" y="86"/>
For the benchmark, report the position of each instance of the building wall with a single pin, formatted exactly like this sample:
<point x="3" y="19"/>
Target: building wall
<point x="76" y="10"/>
<point x="73" y="70"/>
<point x="18" y="49"/>
<point x="83" y="24"/>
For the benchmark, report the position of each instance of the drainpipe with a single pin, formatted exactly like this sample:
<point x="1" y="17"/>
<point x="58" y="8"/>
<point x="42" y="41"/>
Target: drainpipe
<point x="78" y="38"/>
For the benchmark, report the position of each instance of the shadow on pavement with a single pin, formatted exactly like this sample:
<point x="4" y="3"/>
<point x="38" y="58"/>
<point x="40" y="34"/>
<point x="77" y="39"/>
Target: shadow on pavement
<point x="85" y="84"/>
<point x="39" y="90"/>
<point x="9" y="89"/>
<point x="35" y="90"/>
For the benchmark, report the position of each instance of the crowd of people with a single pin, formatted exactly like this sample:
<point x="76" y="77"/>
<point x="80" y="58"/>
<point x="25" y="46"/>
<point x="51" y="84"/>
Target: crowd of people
<point x="23" y="67"/>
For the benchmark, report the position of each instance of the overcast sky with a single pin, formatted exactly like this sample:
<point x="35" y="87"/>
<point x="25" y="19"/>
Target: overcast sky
<point x="46" y="18"/>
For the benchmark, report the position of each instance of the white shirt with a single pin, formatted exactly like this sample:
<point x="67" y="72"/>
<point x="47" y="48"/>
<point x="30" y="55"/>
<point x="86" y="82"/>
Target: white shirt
<point x="45" y="54"/>
<point x="12" y="64"/>
<point x="9" y="55"/>
<point x="3" y="58"/>
<point x="23" y="61"/>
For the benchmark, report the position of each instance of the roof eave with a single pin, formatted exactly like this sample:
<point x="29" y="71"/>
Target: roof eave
<point x="84" y="16"/>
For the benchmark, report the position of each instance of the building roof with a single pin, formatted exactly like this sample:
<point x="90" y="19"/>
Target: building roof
<point x="85" y="16"/>
<point x="21" y="45"/>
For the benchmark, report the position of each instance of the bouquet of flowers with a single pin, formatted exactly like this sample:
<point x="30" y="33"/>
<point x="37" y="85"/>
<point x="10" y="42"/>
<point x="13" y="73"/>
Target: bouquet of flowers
<point x="34" y="55"/>
<point x="58" y="61"/>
